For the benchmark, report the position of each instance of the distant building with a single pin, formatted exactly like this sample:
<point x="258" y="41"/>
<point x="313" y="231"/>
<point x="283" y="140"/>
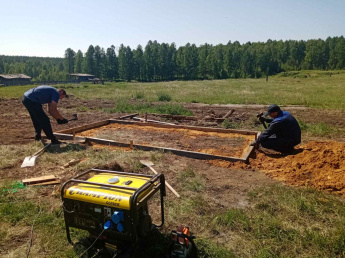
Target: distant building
<point x="14" y="79"/>
<point x="81" y="77"/>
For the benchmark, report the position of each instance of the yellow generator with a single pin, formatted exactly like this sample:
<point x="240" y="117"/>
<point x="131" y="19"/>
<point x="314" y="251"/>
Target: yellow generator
<point x="112" y="207"/>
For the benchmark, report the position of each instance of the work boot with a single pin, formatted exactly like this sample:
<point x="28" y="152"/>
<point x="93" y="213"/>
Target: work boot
<point x="55" y="142"/>
<point x="38" y="138"/>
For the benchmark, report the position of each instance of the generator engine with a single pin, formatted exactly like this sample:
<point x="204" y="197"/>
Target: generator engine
<point x="112" y="207"/>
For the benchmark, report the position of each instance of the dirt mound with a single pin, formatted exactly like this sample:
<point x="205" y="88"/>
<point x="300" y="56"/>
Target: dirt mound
<point x="320" y="165"/>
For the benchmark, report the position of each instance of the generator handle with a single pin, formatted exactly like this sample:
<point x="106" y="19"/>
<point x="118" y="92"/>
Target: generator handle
<point x="163" y="193"/>
<point x="105" y="185"/>
<point x="115" y="172"/>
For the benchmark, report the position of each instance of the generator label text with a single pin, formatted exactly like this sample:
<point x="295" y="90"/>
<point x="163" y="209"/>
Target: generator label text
<point x="113" y="198"/>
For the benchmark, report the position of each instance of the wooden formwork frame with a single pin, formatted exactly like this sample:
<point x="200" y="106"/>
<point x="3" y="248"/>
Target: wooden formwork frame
<point x="69" y="134"/>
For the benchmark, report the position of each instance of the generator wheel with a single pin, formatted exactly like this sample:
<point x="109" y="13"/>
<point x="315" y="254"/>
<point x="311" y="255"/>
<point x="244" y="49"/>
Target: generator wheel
<point x="81" y="247"/>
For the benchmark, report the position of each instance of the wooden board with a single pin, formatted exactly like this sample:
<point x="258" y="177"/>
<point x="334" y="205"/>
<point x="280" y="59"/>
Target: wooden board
<point x="85" y="127"/>
<point x="67" y="135"/>
<point x="55" y="182"/>
<point x="176" y="117"/>
<point x="197" y="128"/>
<point x="38" y="179"/>
<point x="129" y="116"/>
<point x="184" y="153"/>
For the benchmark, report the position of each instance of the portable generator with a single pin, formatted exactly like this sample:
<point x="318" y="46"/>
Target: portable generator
<point x="112" y="207"/>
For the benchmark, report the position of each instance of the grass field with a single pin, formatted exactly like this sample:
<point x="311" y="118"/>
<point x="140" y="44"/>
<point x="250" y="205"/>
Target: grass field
<point x="319" y="90"/>
<point x="278" y="221"/>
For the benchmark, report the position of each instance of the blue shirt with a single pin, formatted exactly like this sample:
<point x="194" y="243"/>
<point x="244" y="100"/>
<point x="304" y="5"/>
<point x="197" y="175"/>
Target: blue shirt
<point x="285" y="127"/>
<point x="43" y="94"/>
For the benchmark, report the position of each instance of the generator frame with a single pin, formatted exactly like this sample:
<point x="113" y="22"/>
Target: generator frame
<point x="158" y="183"/>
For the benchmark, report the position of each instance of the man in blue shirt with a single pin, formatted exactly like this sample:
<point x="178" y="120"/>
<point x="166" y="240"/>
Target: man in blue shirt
<point x="283" y="132"/>
<point x="33" y="100"/>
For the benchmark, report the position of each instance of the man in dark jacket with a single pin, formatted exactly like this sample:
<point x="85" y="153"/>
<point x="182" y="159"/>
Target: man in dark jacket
<point x="33" y="100"/>
<point x="283" y="132"/>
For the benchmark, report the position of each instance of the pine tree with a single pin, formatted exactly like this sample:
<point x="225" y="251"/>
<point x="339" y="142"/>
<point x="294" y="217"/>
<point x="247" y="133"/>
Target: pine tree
<point x="69" y="60"/>
<point x="78" y="62"/>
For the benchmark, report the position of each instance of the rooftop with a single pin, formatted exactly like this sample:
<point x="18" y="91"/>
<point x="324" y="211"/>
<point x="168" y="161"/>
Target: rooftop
<point x="80" y="74"/>
<point x="14" y="76"/>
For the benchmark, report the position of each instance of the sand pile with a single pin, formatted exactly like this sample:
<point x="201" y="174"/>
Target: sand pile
<point x="320" y="165"/>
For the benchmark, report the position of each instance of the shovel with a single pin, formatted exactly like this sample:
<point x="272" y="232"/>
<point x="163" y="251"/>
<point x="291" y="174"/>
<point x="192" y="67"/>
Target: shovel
<point x="30" y="161"/>
<point x="149" y="164"/>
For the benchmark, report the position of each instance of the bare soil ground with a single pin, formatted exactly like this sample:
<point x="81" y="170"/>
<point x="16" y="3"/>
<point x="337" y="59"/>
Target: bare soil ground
<point x="215" y="143"/>
<point x="16" y="128"/>
<point x="317" y="164"/>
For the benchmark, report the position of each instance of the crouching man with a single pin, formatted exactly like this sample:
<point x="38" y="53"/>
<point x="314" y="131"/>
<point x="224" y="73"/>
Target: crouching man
<point x="283" y="132"/>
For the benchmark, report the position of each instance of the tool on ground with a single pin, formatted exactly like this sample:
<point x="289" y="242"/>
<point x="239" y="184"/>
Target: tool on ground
<point x="75" y="117"/>
<point x="149" y="164"/>
<point x="259" y="116"/>
<point x="116" y="214"/>
<point x="30" y="161"/>
<point x="42" y="180"/>
<point x="182" y="244"/>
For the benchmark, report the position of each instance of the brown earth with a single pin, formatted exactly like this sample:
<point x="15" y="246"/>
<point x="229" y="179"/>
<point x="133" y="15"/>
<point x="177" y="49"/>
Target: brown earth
<point x="16" y="126"/>
<point x="215" y="143"/>
<point x="317" y="164"/>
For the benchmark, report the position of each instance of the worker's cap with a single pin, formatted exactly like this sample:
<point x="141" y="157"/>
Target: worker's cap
<point x="63" y="93"/>
<point x="272" y="108"/>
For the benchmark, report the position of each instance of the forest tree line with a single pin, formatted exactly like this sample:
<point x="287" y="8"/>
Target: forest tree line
<point x="163" y="61"/>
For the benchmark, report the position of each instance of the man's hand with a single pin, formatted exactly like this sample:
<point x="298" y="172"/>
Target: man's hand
<point x="62" y="121"/>
<point x="262" y="119"/>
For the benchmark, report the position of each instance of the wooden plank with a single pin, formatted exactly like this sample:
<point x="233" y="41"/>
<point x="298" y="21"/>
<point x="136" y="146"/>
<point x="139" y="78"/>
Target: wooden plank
<point x="248" y="152"/>
<point x="55" y="182"/>
<point x="151" y="121"/>
<point x="85" y="127"/>
<point x="176" y="117"/>
<point x="197" y="128"/>
<point x="184" y="153"/>
<point x="229" y="113"/>
<point x="38" y="179"/>
<point x="65" y="136"/>
<point x="250" y="149"/>
<point x="129" y="116"/>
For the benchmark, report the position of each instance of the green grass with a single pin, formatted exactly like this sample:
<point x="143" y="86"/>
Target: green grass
<point x="319" y="90"/>
<point x="319" y="129"/>
<point x="128" y="107"/>
<point x="164" y="97"/>
<point x="279" y="221"/>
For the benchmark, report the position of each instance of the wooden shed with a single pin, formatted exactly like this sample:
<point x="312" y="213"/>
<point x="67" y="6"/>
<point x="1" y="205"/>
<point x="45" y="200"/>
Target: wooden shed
<point x="81" y="77"/>
<point x="14" y="79"/>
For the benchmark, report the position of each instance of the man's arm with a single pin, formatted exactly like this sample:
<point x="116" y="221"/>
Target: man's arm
<point x="272" y="129"/>
<point x="52" y="109"/>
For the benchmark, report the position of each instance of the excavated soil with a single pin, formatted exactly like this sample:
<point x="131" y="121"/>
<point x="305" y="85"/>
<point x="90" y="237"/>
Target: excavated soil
<point x="317" y="164"/>
<point x="215" y="143"/>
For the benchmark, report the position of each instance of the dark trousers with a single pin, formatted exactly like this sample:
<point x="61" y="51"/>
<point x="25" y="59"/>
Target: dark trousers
<point x="278" y="144"/>
<point x="39" y="118"/>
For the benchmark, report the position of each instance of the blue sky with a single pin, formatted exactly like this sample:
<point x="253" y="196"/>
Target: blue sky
<point x="48" y="28"/>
